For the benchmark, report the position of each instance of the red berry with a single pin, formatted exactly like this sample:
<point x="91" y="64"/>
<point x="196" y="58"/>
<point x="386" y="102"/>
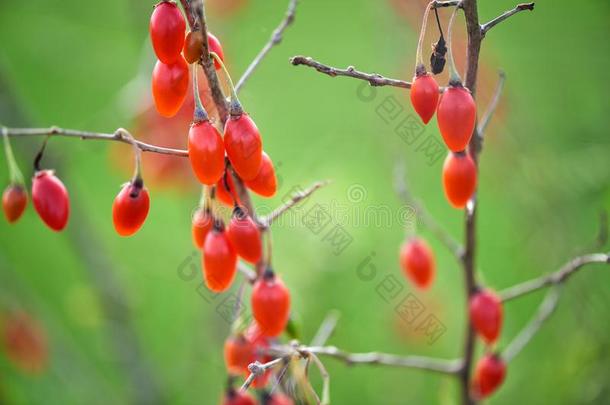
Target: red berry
<point x="459" y="178"/>
<point x="214" y="46"/>
<point x="167" y="28"/>
<point x="201" y="224"/>
<point x="270" y="304"/>
<point x="417" y="262"/>
<point x="14" y="200"/>
<point x="24" y="342"/>
<point x="238" y="398"/>
<point x="238" y="353"/>
<point x="489" y="375"/>
<point x="279" y="399"/>
<point x="223" y="194"/>
<point x="130" y="209"/>
<point x="265" y="182"/>
<point x="244" y="146"/>
<point x="169" y="86"/>
<point x="245" y="236"/>
<point x="486" y="314"/>
<point x="51" y="199"/>
<point x="424" y="96"/>
<point x="219" y="260"/>
<point x="456" y="117"/>
<point x="206" y="152"/>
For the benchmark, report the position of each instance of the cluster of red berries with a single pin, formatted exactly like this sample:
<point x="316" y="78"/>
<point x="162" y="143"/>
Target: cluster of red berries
<point x="171" y="74"/>
<point x="50" y="198"/>
<point x="52" y="202"/>
<point x="218" y="161"/>
<point x="456" y="117"/>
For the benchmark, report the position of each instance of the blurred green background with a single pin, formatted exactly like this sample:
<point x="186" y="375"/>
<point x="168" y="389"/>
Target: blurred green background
<point x="122" y="325"/>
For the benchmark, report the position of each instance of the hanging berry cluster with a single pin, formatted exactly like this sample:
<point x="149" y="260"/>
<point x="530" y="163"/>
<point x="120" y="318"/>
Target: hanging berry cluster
<point x="219" y="159"/>
<point x="456" y="118"/>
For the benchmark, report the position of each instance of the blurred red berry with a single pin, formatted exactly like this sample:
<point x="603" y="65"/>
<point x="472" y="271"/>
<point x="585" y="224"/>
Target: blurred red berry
<point x="14" y="201"/>
<point x="488" y="376"/>
<point x="214" y="46"/>
<point x="417" y="262"/>
<point x="270" y="304"/>
<point x="24" y="342"/>
<point x="486" y="314"/>
<point x="233" y="397"/>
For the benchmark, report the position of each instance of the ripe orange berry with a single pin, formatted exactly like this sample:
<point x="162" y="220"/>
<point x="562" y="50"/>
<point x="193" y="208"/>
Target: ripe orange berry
<point x="265" y="182"/>
<point x="270" y="304"/>
<point x="245" y="236"/>
<point x="243" y="145"/>
<point x="424" y="96"/>
<point x="488" y="376"/>
<point x="219" y="259"/>
<point x="456" y="117"/>
<point x="170" y="85"/>
<point x="14" y="201"/>
<point x="417" y="262"/>
<point x="206" y="152"/>
<point x="202" y="223"/>
<point x="459" y="178"/>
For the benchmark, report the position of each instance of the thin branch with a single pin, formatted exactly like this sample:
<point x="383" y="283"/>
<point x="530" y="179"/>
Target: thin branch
<point x="207" y="63"/>
<point x="118" y="136"/>
<point x="400" y="185"/>
<point x="189" y="16"/>
<point x="257" y="369"/>
<point x="555" y="278"/>
<point x="326" y="329"/>
<point x="248" y="273"/>
<point x="325" y="380"/>
<point x="440" y="4"/>
<point x="275" y="39"/>
<point x="520" y="7"/>
<point x="546" y="309"/>
<point x="475" y="37"/>
<point x="491" y="109"/>
<point x="296" y="198"/>
<point x="375" y="358"/>
<point x="374" y="79"/>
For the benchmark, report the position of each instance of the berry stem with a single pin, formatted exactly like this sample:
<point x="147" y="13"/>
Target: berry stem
<point x="137" y="174"/>
<point x="455" y="76"/>
<point x="40" y="153"/>
<point x="200" y="113"/>
<point x="14" y="173"/>
<point x="419" y="63"/>
<point x="235" y="108"/>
